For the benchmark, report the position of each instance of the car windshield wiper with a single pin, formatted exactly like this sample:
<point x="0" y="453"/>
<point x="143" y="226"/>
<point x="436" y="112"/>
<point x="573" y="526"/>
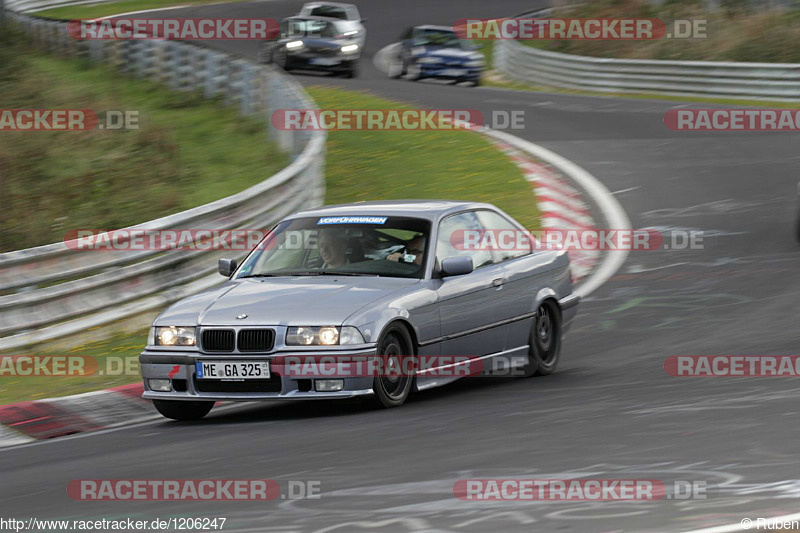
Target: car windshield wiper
<point x="260" y="276"/>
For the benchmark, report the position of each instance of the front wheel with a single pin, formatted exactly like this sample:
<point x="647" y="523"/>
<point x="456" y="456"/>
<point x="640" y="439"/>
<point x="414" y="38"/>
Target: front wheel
<point x="281" y="59"/>
<point x="545" y="343"/>
<point x="183" y="410"/>
<point x="397" y="68"/>
<point x="392" y="390"/>
<point x="414" y="71"/>
<point x="352" y="70"/>
<point x="264" y="53"/>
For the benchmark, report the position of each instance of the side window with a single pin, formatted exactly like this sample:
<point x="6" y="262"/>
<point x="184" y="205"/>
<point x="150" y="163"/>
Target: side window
<point x="503" y="238"/>
<point x="450" y="242"/>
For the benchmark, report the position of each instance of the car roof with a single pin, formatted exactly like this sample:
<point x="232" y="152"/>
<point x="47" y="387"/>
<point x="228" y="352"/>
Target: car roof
<point x="426" y="209"/>
<point x="313" y="17"/>
<point x="437" y="28"/>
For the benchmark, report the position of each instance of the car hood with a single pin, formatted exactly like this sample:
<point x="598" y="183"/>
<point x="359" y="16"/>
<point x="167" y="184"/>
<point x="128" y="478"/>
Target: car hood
<point x="453" y="53"/>
<point x="312" y="301"/>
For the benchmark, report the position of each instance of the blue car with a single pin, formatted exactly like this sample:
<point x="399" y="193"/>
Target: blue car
<point x="437" y="52"/>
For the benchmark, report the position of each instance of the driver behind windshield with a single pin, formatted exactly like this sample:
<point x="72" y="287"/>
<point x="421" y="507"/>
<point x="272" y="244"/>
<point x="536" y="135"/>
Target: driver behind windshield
<point x="415" y="247"/>
<point x="332" y="248"/>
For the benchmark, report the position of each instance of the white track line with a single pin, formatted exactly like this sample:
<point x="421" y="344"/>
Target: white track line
<point x="614" y="214"/>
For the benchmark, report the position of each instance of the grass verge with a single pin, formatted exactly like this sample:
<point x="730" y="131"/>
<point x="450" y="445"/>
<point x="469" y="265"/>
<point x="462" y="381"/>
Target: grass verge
<point x="187" y="151"/>
<point x="390" y="165"/>
<point x="736" y="31"/>
<point x="113" y="8"/>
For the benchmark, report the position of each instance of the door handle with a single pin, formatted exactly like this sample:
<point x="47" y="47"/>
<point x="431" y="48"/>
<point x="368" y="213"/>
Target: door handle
<point x="498" y="282"/>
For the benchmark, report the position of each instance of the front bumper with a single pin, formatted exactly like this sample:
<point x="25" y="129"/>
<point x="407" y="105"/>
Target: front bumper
<point x="450" y="72"/>
<point x="179" y="368"/>
<point x="312" y="61"/>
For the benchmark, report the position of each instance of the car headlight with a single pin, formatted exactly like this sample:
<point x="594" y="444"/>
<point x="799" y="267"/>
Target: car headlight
<point x="428" y="60"/>
<point x="349" y="48"/>
<point x="294" y="45"/>
<point x="172" y="336"/>
<point x="474" y="63"/>
<point x="323" y="336"/>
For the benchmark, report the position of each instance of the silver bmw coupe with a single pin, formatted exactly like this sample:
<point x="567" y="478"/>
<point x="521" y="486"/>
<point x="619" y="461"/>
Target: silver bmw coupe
<point x="374" y="299"/>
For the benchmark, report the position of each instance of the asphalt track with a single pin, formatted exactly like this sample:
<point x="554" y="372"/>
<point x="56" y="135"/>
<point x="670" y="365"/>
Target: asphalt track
<point x="611" y="410"/>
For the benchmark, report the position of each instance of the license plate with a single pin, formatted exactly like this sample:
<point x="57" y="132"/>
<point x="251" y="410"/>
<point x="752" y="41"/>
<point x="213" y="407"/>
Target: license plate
<point x="454" y="72"/>
<point x="232" y="370"/>
<point x="323" y="61"/>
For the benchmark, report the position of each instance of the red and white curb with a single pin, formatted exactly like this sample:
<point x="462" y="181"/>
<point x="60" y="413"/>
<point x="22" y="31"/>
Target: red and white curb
<point x="561" y="205"/>
<point x="25" y="422"/>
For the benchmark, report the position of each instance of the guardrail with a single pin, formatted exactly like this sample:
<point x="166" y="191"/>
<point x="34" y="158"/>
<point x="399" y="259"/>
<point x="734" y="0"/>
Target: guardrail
<point x="762" y="81"/>
<point x="55" y="290"/>
<point x="30" y="6"/>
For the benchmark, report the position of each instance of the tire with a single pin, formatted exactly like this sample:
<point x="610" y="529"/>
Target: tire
<point x="280" y="59"/>
<point x="183" y="410"/>
<point x="476" y="82"/>
<point x="413" y="72"/>
<point x="397" y="69"/>
<point x="545" y="344"/>
<point x="352" y="72"/>
<point x="392" y="391"/>
<point x="264" y="53"/>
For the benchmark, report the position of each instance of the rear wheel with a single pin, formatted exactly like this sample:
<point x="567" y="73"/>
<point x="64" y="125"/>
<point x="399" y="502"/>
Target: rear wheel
<point x="393" y="390"/>
<point x="180" y="410"/>
<point x="545" y="344"/>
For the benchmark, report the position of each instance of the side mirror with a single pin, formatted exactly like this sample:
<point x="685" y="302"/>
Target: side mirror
<point x="227" y="267"/>
<point x="456" y="266"/>
<point x="364" y="20"/>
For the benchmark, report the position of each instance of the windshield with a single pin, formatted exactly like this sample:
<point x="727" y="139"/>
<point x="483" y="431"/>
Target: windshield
<point x="298" y="28"/>
<point x="342" y="245"/>
<point x="329" y="11"/>
<point x="441" y="38"/>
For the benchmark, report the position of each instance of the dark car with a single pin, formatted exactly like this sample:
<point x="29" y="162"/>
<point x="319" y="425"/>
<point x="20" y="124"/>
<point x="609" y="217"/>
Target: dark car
<point x="437" y="52"/>
<point x="314" y="43"/>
